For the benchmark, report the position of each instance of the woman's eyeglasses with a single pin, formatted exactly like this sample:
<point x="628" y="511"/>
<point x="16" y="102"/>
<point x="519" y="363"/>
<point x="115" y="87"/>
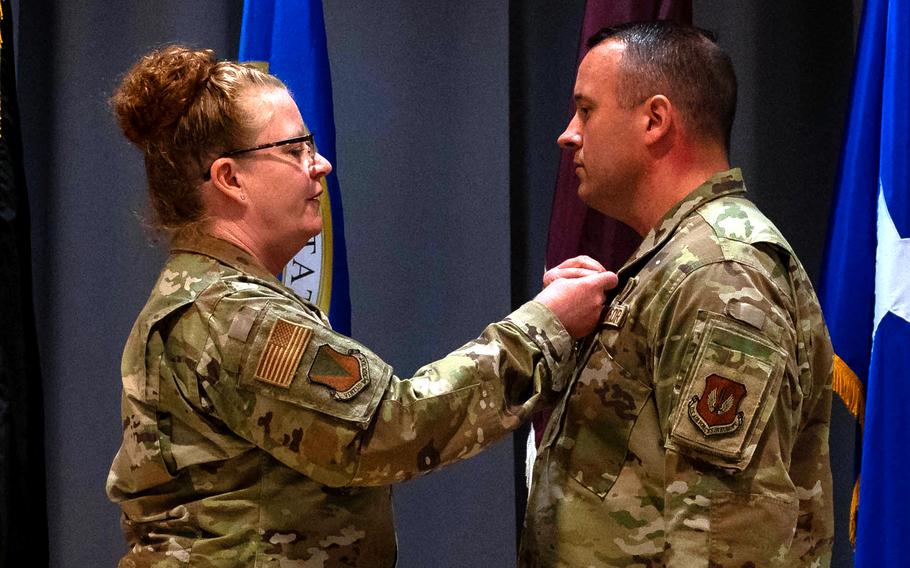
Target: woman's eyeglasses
<point x="306" y="140"/>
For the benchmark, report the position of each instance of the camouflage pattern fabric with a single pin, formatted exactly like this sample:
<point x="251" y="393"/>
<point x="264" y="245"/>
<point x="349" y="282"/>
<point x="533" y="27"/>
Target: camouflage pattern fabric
<point x="695" y="434"/>
<point x="254" y="435"/>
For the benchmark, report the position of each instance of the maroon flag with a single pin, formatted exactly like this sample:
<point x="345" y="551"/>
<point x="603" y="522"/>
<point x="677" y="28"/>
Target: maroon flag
<point x="575" y="228"/>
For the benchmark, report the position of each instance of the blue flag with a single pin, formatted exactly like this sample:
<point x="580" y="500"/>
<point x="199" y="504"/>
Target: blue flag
<point x="289" y="37"/>
<point x="866" y="285"/>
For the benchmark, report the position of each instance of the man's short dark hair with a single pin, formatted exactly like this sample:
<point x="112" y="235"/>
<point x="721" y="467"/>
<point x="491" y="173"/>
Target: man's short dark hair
<point x="684" y="64"/>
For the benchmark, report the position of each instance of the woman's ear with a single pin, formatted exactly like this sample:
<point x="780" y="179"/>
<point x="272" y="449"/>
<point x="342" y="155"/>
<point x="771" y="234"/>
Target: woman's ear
<point x="226" y="179"/>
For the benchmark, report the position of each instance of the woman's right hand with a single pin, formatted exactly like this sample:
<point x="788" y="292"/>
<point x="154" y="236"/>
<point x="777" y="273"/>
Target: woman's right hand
<point x="575" y="292"/>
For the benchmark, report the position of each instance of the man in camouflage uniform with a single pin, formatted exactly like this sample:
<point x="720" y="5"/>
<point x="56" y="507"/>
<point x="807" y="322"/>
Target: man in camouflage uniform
<point x="695" y="432"/>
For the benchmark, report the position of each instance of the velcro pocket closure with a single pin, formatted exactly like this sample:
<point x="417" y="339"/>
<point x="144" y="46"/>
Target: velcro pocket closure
<point x="291" y="358"/>
<point x="728" y="394"/>
<point x="604" y="402"/>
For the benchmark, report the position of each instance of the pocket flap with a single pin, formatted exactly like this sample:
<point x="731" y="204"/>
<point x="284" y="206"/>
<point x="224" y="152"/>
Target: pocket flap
<point x="729" y="393"/>
<point x="604" y="403"/>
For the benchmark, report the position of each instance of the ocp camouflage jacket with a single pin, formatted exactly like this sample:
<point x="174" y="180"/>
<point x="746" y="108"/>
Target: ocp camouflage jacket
<point x="254" y="435"/>
<point x="695" y="434"/>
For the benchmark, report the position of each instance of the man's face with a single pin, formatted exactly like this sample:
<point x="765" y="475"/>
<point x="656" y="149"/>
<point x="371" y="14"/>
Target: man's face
<point x="603" y="134"/>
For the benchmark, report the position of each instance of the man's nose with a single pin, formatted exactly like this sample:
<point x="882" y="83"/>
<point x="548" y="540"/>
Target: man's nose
<point x="570" y="139"/>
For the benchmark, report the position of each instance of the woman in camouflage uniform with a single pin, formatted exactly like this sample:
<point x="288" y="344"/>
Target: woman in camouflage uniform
<point x="253" y="434"/>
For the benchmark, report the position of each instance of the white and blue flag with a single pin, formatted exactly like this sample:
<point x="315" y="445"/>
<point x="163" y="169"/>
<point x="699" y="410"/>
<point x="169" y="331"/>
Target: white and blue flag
<point x="866" y="285"/>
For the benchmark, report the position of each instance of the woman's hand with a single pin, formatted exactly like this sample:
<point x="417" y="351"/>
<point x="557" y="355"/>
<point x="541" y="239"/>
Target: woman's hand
<point x="575" y="292"/>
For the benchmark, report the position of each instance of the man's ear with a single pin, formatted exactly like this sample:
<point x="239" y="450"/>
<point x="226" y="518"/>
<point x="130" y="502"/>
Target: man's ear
<point x="226" y="179"/>
<point x="659" y="116"/>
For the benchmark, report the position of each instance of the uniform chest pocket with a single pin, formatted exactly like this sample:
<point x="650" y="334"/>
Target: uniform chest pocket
<point x="600" y="411"/>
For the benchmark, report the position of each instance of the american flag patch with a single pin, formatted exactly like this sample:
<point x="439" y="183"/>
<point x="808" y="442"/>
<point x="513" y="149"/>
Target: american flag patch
<point x="278" y="361"/>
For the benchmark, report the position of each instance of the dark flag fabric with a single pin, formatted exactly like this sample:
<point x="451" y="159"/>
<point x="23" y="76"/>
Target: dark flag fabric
<point x="23" y="516"/>
<point x="575" y="228"/>
<point x="866" y="281"/>
<point x="288" y="38"/>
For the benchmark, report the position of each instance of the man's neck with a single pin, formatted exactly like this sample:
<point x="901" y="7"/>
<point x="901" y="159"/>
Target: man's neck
<point x="671" y="180"/>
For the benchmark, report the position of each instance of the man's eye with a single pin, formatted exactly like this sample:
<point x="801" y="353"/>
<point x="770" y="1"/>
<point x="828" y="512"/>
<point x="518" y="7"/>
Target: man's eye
<point x="296" y="151"/>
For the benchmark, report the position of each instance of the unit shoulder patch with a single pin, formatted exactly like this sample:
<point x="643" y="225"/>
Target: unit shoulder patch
<point x="345" y="373"/>
<point x="716" y="411"/>
<point x="730" y="382"/>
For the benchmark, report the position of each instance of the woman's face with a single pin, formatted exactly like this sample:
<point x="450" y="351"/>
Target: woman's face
<point x="282" y="184"/>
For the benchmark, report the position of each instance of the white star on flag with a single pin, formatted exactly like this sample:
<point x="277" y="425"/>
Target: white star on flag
<point x="892" y="267"/>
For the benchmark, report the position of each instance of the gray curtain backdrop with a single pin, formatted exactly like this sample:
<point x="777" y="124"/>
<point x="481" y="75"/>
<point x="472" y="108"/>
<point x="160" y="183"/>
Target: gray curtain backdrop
<point x="421" y="110"/>
<point x="437" y="247"/>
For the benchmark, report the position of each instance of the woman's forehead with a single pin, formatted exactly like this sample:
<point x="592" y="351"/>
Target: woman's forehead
<point x="277" y="114"/>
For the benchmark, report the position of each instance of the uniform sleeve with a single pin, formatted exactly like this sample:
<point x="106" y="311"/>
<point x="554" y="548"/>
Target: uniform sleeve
<point x="453" y="408"/>
<point x="329" y="408"/>
<point x="728" y="397"/>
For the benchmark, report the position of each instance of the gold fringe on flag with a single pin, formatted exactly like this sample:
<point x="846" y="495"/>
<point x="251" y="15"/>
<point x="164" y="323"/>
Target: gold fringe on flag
<point x="854" y="504"/>
<point x="848" y="387"/>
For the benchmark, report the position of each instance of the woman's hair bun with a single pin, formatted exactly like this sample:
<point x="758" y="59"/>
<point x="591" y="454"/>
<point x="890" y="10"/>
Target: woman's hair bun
<point x="159" y="89"/>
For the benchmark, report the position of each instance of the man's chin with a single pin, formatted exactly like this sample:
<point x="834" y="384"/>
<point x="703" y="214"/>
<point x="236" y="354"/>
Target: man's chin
<point x="599" y="203"/>
<point x="584" y="193"/>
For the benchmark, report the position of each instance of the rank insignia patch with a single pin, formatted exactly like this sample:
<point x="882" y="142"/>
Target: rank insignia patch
<point x="344" y="373"/>
<point x="278" y="361"/>
<point x="716" y="411"/>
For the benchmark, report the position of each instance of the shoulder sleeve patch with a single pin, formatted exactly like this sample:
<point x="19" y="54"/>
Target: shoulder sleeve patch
<point x="283" y="349"/>
<point x="716" y="411"/>
<point x="290" y="357"/>
<point x="728" y="394"/>
<point x="345" y="373"/>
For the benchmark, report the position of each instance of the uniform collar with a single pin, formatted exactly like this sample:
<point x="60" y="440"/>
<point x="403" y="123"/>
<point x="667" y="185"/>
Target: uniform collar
<point x="719" y="185"/>
<point x="193" y="241"/>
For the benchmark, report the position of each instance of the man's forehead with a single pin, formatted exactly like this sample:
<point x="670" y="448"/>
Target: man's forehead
<point x="598" y="67"/>
<point x="602" y="56"/>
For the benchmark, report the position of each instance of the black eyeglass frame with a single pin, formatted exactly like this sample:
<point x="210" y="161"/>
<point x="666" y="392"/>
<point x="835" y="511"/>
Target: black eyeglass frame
<point x="307" y="139"/>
